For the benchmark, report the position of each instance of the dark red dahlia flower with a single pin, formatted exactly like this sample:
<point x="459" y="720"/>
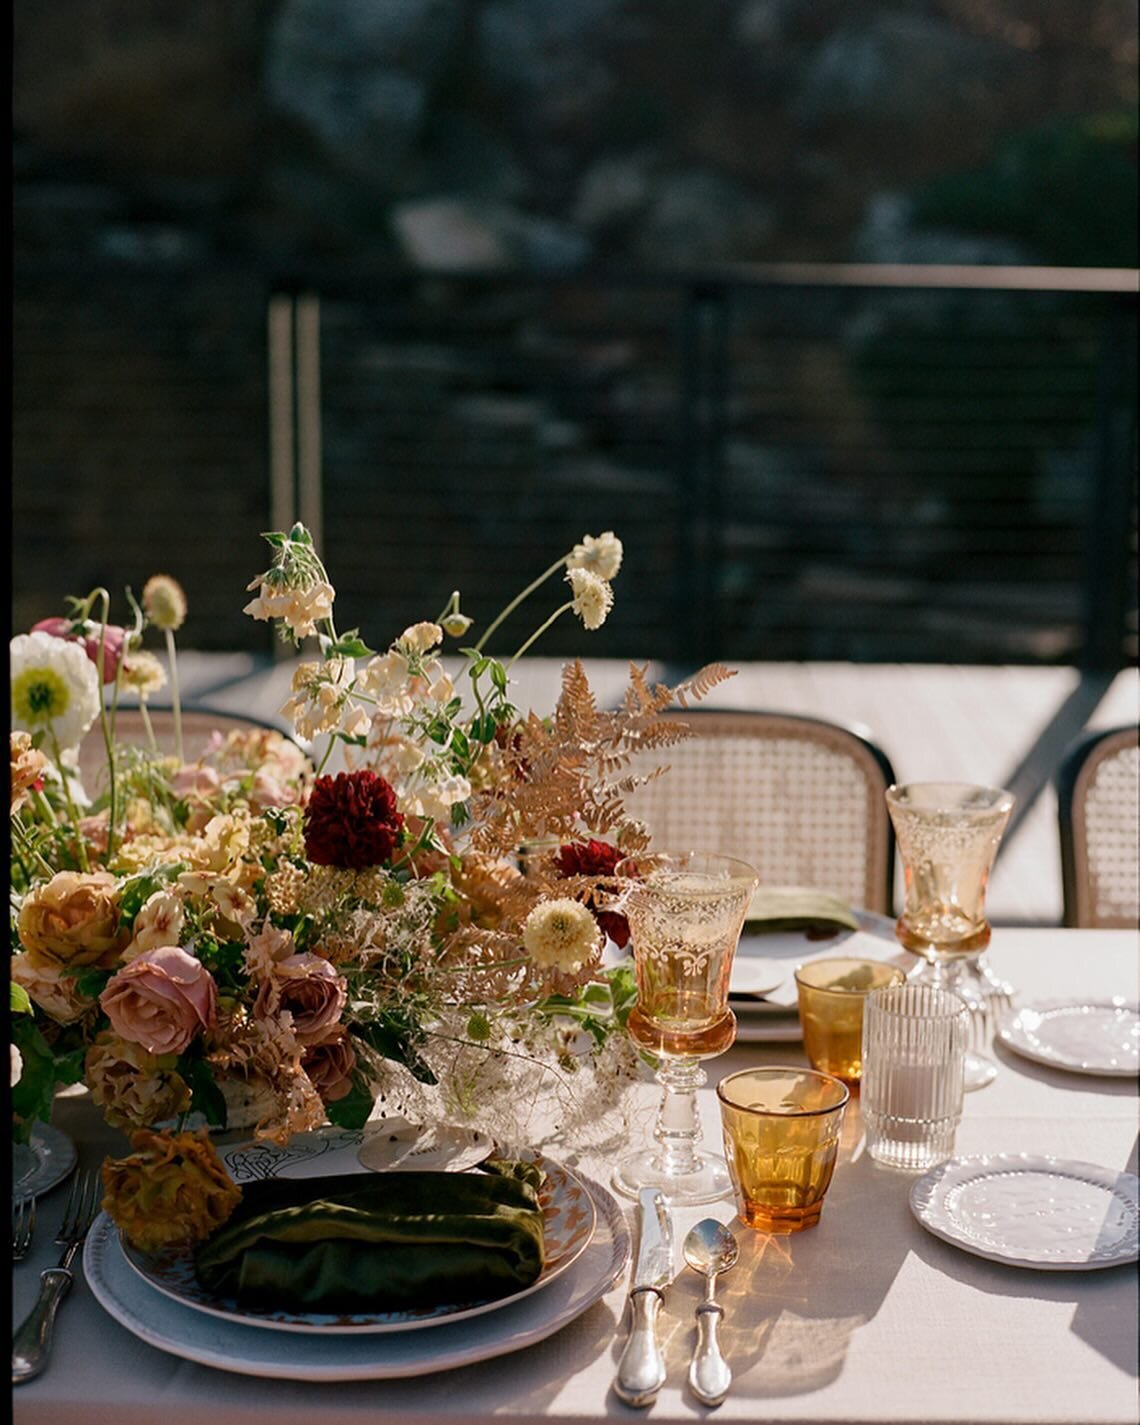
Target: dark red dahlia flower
<point x="352" y="821"/>
<point x="595" y="858"/>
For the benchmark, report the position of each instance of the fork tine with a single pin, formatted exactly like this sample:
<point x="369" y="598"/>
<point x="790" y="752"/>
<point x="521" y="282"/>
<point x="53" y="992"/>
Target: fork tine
<point x="80" y="1209"/>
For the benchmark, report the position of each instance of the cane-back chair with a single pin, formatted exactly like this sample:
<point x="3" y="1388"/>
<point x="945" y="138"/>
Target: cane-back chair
<point x="799" y="798"/>
<point x="1098" y="804"/>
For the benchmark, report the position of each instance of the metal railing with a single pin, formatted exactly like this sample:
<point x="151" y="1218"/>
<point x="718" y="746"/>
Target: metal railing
<point x="805" y="462"/>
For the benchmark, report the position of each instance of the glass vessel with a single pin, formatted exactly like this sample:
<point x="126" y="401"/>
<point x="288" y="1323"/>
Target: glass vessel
<point x="831" y="995"/>
<point x="685" y="915"/>
<point x="948" y="835"/>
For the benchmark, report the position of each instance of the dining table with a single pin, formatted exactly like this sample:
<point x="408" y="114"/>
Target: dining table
<point x="866" y="1317"/>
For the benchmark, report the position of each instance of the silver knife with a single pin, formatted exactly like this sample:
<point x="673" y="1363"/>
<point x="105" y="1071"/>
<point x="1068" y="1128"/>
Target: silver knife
<point x="641" y="1370"/>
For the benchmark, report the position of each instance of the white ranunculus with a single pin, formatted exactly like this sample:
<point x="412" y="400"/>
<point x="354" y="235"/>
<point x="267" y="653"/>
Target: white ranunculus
<point x="55" y="687"/>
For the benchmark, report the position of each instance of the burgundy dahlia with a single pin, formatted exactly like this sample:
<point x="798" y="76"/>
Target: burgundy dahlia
<point x="595" y="858"/>
<point x="352" y="821"/>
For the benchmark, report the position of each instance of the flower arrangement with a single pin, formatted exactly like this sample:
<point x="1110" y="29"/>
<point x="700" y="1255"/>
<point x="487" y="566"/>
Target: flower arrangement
<point x="241" y="930"/>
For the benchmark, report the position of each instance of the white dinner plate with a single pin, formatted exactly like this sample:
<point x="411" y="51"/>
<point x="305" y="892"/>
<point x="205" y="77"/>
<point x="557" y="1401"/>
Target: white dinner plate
<point x="1084" y="1036"/>
<point x="50" y="1156"/>
<point x="569" y="1220"/>
<point x="1052" y="1214"/>
<point x="194" y="1336"/>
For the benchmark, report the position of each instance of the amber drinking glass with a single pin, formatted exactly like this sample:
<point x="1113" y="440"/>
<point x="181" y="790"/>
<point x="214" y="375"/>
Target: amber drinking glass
<point x="948" y="835"/>
<point x="831" y="998"/>
<point x="781" y="1139"/>
<point x="685" y="915"/>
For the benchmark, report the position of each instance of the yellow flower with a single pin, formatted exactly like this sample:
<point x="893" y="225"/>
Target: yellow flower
<point x="164" y="602"/>
<point x="143" y="673"/>
<point x="72" y="920"/>
<point x="561" y="935"/>
<point x="593" y="597"/>
<point x="171" y="1190"/>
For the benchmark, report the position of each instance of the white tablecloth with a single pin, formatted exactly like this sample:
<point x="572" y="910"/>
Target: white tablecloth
<point x="867" y="1317"/>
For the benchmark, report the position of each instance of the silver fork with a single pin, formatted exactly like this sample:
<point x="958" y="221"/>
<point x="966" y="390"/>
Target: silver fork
<point x="23" y="1225"/>
<point x="31" y="1345"/>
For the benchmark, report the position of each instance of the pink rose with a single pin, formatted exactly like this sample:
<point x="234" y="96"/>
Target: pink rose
<point x="329" y="1066"/>
<point x="310" y="989"/>
<point x="113" y="637"/>
<point x="161" y="1000"/>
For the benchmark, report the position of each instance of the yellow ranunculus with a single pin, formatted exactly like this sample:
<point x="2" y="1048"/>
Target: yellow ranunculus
<point x="171" y="1190"/>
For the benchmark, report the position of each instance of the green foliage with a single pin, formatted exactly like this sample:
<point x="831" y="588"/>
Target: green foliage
<point x="20" y="1001"/>
<point x="352" y="1111"/>
<point x="205" y="1095"/>
<point x="1066" y="190"/>
<point x="395" y="1035"/>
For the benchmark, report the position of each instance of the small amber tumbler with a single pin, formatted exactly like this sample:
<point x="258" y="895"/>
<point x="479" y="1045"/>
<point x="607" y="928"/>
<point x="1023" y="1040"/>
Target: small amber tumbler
<point x="781" y="1137"/>
<point x="831" y="996"/>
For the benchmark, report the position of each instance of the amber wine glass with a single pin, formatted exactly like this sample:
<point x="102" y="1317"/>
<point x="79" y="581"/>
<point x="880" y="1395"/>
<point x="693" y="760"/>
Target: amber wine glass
<point x="685" y="915"/>
<point x="948" y="835"/>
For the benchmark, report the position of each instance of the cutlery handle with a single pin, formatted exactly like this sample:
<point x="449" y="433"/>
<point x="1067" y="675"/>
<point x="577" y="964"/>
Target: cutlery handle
<point x="641" y="1370"/>
<point x="31" y="1345"/>
<point x="709" y="1375"/>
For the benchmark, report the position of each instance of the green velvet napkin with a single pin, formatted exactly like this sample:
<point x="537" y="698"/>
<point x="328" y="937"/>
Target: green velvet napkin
<point x="796" y="908"/>
<point x="368" y="1242"/>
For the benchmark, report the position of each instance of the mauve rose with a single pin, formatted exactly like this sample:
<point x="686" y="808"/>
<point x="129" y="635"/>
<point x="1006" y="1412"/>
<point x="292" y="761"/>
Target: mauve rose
<point x="163" y="1000"/>
<point x="310" y="989"/>
<point x="112" y="642"/>
<point x="329" y="1066"/>
<point x="195" y="781"/>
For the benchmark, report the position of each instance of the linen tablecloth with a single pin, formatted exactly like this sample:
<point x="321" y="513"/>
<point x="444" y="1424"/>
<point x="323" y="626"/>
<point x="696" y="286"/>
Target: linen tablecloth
<point x="866" y="1318"/>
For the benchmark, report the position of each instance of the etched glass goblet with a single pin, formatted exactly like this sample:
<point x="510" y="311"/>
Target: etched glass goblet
<point x="948" y="835"/>
<point x="685" y="915"/>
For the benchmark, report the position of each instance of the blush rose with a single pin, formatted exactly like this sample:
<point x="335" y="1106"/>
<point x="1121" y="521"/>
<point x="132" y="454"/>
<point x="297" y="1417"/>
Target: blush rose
<point x="162" y="1000"/>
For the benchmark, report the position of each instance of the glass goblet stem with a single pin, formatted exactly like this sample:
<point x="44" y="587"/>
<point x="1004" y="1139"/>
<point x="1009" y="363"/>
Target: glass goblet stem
<point x="678" y="1127"/>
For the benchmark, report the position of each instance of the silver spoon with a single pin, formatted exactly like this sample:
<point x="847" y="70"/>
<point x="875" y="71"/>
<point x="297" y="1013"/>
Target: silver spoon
<point x="710" y="1248"/>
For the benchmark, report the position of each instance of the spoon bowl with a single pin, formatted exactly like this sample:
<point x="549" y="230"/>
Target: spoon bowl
<point x="710" y="1249"/>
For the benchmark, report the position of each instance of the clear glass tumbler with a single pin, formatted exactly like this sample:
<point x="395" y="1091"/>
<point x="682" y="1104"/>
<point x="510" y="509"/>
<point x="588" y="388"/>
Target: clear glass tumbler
<point x="914" y="1050"/>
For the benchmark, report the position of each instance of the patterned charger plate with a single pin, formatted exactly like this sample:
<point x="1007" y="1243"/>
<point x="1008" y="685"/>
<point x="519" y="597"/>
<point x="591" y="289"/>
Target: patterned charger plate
<point x="569" y="1218"/>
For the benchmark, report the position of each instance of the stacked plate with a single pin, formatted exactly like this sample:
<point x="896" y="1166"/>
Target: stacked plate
<point x="157" y="1297"/>
<point x="763" y="989"/>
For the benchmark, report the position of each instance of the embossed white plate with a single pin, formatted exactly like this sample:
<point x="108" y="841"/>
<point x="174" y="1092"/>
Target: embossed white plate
<point x="1084" y="1036"/>
<point x="1052" y="1214"/>
<point x="569" y="1220"/>
<point x="246" y="1350"/>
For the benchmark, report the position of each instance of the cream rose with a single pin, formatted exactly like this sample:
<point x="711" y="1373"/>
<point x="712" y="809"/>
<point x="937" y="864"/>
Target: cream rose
<point x="72" y="920"/>
<point x="53" y="991"/>
<point x="162" y="1000"/>
<point x="310" y="989"/>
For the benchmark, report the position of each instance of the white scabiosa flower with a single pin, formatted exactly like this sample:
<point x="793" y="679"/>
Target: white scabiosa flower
<point x="600" y="554"/>
<point x="164" y="602"/>
<point x="143" y="673"/>
<point x="55" y="687"/>
<point x="593" y="597"/>
<point x="561" y="935"/>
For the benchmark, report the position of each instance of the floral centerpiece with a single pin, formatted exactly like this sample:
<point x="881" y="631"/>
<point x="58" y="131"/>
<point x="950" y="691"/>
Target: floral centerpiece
<point x="238" y="931"/>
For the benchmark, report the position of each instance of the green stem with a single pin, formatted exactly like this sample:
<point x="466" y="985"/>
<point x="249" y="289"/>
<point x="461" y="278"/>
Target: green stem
<point x="176" y="701"/>
<point x="28" y="848"/>
<point x="421" y="841"/>
<point x="149" y="726"/>
<point x="537" y="634"/>
<point x="108" y="723"/>
<point x="84" y="864"/>
<point x="328" y="754"/>
<point x="515" y="602"/>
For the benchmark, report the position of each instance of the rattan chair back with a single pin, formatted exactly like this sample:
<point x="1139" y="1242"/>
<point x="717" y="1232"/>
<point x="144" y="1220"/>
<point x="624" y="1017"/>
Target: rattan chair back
<point x="1098" y="804"/>
<point x="800" y="799"/>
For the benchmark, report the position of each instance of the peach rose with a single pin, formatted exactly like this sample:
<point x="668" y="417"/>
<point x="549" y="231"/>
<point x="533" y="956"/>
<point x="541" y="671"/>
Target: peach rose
<point x="329" y="1066"/>
<point x="72" y="920"/>
<point x="171" y="1190"/>
<point x="162" y="1000"/>
<point x="129" y="1084"/>
<point x="310" y="989"/>
<point x="55" y="993"/>
<point x="28" y="765"/>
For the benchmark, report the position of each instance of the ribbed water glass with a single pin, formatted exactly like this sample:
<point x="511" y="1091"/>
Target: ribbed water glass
<point x="914" y="1049"/>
